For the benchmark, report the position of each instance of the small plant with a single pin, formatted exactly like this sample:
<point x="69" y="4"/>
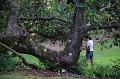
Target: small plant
<point x="102" y="70"/>
<point x="112" y="71"/>
<point x="84" y="68"/>
<point x="43" y="65"/>
<point x="7" y="63"/>
<point x="116" y="68"/>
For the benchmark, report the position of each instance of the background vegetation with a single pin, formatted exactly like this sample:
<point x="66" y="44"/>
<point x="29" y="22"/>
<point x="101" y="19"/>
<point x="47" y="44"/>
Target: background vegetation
<point x="97" y="13"/>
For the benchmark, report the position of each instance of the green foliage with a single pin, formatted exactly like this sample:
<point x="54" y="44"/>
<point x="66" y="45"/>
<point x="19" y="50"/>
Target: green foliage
<point x="81" y="65"/>
<point x="99" y="70"/>
<point x="45" y="28"/>
<point x="43" y="65"/>
<point x="54" y="28"/>
<point x="33" y="60"/>
<point x="84" y="68"/>
<point x="115" y="68"/>
<point x="4" y="12"/>
<point x="116" y="40"/>
<point x="107" y="70"/>
<point x="7" y="63"/>
<point x="51" y="29"/>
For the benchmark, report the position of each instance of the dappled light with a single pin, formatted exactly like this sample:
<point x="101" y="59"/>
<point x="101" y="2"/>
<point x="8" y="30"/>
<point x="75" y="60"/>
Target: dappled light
<point x="60" y="38"/>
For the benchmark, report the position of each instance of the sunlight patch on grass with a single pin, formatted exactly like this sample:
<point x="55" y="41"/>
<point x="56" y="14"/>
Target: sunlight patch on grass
<point x="31" y="59"/>
<point x="105" y="56"/>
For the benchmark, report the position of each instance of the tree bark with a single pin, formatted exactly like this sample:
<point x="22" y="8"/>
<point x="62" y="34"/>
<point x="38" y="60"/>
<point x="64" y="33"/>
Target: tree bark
<point x="12" y="29"/>
<point x="110" y="25"/>
<point x="20" y="56"/>
<point x="72" y="50"/>
<point x="73" y="47"/>
<point x="68" y="57"/>
<point x="46" y="19"/>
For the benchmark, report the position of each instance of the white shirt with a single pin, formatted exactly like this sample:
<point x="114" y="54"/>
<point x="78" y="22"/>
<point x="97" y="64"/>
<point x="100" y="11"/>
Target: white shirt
<point x="90" y="44"/>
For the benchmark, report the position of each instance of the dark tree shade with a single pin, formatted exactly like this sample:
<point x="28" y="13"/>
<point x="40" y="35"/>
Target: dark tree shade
<point x="70" y="1"/>
<point x="2" y="1"/>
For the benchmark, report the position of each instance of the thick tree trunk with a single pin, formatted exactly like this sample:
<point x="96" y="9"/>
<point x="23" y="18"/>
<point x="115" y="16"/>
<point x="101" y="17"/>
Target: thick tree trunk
<point x="11" y="26"/>
<point x="20" y="56"/>
<point x="75" y="42"/>
<point x="68" y="57"/>
<point x="72" y="50"/>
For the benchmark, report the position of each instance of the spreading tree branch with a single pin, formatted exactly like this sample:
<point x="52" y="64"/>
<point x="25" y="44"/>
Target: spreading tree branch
<point x="2" y="2"/>
<point x="109" y="25"/>
<point x="70" y="55"/>
<point x="11" y="25"/>
<point x="20" y="56"/>
<point x="43" y="18"/>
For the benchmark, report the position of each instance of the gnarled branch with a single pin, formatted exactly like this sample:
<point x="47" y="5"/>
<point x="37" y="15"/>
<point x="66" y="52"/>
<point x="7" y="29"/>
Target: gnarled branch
<point x="109" y="25"/>
<point x="43" y="18"/>
<point x="20" y="56"/>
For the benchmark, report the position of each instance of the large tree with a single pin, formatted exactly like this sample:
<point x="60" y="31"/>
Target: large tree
<point x="18" y="38"/>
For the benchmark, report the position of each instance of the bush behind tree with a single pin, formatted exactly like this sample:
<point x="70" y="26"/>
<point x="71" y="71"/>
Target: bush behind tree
<point x="99" y="70"/>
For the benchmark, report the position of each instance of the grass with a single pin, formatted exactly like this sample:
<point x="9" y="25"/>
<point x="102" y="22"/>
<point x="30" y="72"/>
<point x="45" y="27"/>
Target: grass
<point x="31" y="59"/>
<point x="100" y="57"/>
<point x="107" y="55"/>
<point x="104" y="57"/>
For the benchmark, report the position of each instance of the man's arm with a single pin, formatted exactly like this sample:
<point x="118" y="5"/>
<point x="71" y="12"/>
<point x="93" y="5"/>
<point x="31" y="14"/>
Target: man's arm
<point x="84" y="48"/>
<point x="88" y="46"/>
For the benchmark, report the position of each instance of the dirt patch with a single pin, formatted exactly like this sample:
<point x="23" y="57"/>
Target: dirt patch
<point x="53" y="45"/>
<point x="41" y="73"/>
<point x="47" y="73"/>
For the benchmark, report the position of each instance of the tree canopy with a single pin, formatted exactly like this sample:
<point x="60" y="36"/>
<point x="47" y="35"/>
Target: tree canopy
<point x="54" y="19"/>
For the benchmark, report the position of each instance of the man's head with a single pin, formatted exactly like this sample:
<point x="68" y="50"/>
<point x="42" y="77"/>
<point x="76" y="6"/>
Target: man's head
<point x="90" y="38"/>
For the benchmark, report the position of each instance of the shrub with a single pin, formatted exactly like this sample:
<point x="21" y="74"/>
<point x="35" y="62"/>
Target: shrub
<point x="99" y="70"/>
<point x="83" y="68"/>
<point x="108" y="71"/>
<point x="43" y="65"/>
<point x="7" y="63"/>
<point x="115" y="68"/>
<point x="102" y="70"/>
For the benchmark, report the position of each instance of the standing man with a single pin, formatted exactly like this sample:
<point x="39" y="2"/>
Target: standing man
<point x="89" y="51"/>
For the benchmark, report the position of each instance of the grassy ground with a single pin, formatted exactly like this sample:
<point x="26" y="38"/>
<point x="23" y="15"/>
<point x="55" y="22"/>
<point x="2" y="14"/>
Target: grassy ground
<point x="100" y="57"/>
<point x="31" y="59"/>
<point x="104" y="57"/>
